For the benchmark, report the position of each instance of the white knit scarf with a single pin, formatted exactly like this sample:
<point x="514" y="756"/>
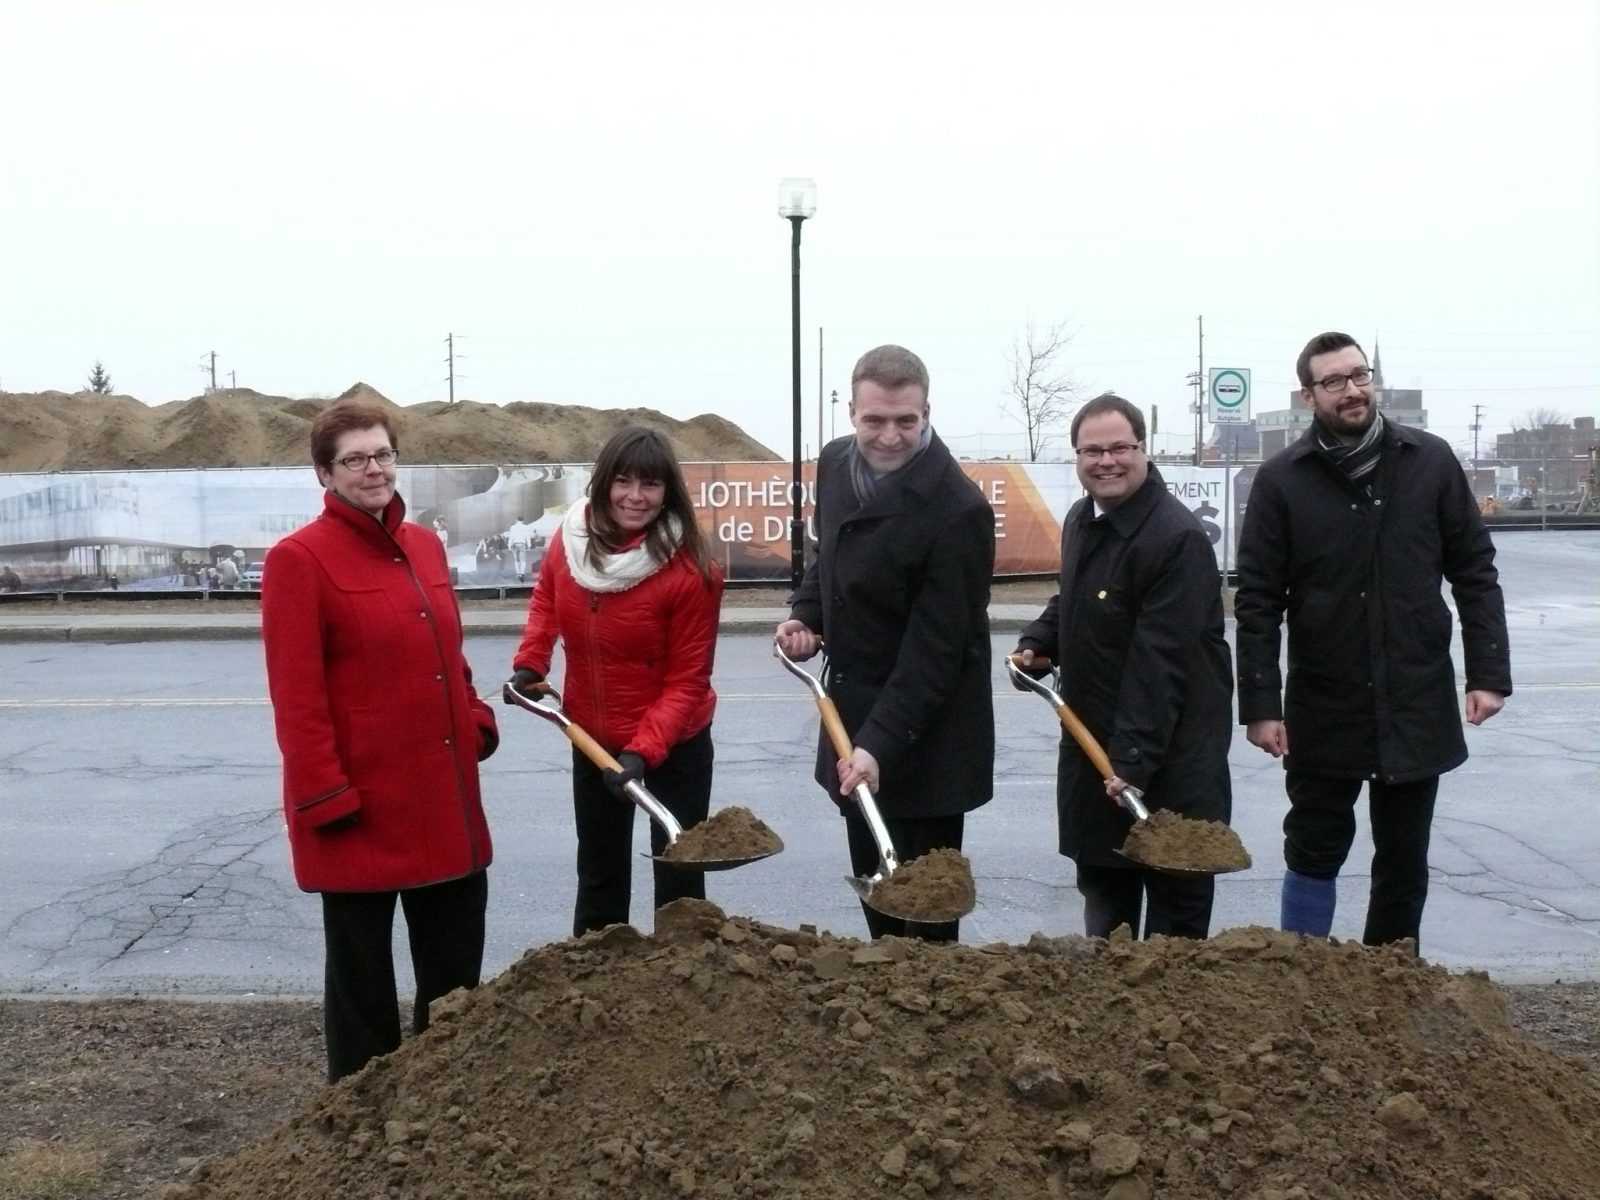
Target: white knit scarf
<point x="619" y="571"/>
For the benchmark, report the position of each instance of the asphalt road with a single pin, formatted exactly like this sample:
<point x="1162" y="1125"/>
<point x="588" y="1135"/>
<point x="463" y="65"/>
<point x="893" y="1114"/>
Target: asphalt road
<point x="141" y="845"/>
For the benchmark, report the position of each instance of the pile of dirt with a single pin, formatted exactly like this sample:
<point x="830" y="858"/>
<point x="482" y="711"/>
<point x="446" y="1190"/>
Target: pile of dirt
<point x="937" y="887"/>
<point x="54" y="431"/>
<point x="1169" y="840"/>
<point x="732" y="834"/>
<point x="724" y="1058"/>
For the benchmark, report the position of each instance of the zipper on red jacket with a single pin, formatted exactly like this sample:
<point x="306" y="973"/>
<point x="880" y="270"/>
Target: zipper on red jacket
<point x="596" y="672"/>
<point x="450" y="704"/>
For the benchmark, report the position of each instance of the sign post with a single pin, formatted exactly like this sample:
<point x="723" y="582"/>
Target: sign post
<point x="1229" y="392"/>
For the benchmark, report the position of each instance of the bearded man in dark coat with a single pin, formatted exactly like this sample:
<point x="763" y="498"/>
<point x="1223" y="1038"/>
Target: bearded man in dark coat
<point x="1349" y="534"/>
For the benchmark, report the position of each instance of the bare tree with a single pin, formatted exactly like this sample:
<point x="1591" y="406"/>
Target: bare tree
<point x="1039" y="394"/>
<point x="99" y="381"/>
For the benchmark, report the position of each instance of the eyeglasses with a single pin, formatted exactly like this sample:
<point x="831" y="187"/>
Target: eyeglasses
<point x="1334" y="384"/>
<point x="1115" y="450"/>
<point x="358" y="462"/>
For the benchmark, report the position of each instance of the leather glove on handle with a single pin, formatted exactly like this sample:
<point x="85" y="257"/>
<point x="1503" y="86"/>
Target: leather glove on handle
<point x="523" y="679"/>
<point x="632" y="772"/>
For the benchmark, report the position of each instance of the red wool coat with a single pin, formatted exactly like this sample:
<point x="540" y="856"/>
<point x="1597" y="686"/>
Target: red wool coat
<point x="638" y="673"/>
<point x="374" y="705"/>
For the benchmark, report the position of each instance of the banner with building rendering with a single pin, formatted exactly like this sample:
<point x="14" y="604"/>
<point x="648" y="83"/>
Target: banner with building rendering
<point x="159" y="530"/>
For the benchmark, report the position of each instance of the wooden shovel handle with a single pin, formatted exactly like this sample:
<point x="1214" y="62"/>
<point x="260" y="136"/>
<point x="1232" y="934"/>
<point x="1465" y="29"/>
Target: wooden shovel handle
<point x="835" y="727"/>
<point x="1086" y="742"/>
<point x="592" y="750"/>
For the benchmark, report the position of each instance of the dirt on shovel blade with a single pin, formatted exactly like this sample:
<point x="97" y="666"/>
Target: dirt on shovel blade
<point x="936" y="887"/>
<point x="727" y="835"/>
<point x="1177" y="842"/>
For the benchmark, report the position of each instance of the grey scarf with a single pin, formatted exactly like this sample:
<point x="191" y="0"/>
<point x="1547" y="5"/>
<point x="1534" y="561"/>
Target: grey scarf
<point x="1356" y="461"/>
<point x="866" y="481"/>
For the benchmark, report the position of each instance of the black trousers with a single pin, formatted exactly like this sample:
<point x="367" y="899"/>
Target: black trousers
<point x="360" y="1007"/>
<point x="1321" y="826"/>
<point x="605" y="833"/>
<point x="912" y="837"/>
<point x="1113" y="896"/>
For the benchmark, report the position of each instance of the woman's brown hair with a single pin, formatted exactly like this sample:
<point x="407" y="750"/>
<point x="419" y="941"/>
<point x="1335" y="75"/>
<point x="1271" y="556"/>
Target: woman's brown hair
<point x="642" y="453"/>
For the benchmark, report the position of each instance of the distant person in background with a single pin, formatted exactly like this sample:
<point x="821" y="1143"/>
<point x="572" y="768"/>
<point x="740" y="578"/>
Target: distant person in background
<point x="1350" y="533"/>
<point x="227" y="574"/>
<point x="630" y="589"/>
<point x="10" y="581"/>
<point x="381" y="734"/>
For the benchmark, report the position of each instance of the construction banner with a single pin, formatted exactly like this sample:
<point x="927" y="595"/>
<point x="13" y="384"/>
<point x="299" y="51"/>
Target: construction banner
<point x="160" y="530"/>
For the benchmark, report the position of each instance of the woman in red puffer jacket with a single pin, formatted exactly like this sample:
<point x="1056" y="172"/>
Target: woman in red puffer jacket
<point x="629" y="587"/>
<point x="381" y="733"/>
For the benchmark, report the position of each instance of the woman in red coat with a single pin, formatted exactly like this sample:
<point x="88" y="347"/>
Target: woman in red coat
<point x="629" y="587"/>
<point x="381" y="734"/>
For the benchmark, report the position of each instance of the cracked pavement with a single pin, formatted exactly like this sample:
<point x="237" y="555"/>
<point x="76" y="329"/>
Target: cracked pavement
<point x="142" y="849"/>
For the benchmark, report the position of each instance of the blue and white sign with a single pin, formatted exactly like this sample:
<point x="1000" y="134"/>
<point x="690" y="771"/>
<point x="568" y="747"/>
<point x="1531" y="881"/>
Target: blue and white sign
<point x="1230" y="396"/>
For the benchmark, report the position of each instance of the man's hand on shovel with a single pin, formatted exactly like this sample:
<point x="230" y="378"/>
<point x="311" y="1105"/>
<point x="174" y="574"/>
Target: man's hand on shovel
<point x="1115" y="786"/>
<point x="860" y="767"/>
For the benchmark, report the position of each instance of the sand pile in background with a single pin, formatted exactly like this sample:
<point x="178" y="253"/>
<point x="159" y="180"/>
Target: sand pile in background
<point x="54" y="431"/>
<point x="723" y="1058"/>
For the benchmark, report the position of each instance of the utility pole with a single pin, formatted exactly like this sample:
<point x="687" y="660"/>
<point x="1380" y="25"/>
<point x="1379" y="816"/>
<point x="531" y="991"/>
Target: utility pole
<point x="208" y="365"/>
<point x="233" y="381"/>
<point x="450" y="363"/>
<point x="1199" y="393"/>
<point x="1477" y="424"/>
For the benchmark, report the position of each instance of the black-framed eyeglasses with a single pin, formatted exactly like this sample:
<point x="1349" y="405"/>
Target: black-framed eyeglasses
<point x="1334" y="384"/>
<point x="1115" y="450"/>
<point x="358" y="462"/>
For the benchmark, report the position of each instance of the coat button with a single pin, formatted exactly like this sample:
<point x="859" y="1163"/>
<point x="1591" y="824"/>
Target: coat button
<point x="438" y="678"/>
<point x="423" y="615"/>
<point x="1378" y="502"/>
<point x="397" y="558"/>
<point x="1353" y="507"/>
<point x="447" y="741"/>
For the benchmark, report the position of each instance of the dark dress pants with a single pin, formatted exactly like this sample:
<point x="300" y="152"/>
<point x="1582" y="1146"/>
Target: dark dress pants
<point x="912" y="837"/>
<point x="444" y="924"/>
<point x="605" y="833"/>
<point x="1113" y="896"/>
<point x="1321" y="826"/>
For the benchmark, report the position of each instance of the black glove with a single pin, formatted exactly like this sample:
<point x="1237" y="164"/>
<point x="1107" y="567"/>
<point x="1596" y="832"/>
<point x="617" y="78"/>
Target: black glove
<point x="1039" y="670"/>
<point x="632" y="772"/>
<point x="523" y="679"/>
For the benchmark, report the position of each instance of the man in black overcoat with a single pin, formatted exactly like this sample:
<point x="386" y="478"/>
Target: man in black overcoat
<point x="1137" y="629"/>
<point x="899" y="594"/>
<point x="1350" y="533"/>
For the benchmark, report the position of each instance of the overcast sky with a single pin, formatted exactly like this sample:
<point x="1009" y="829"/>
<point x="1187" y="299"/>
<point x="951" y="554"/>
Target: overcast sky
<point x="586" y="195"/>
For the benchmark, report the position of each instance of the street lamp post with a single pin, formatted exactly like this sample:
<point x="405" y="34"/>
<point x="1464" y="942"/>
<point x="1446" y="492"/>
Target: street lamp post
<point x="833" y="416"/>
<point x="797" y="200"/>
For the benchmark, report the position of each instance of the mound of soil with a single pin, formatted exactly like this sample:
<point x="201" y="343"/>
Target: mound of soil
<point x="936" y="887"/>
<point x="732" y="834"/>
<point x="1170" y="840"/>
<point x="722" y="1058"/>
<point x="54" y="431"/>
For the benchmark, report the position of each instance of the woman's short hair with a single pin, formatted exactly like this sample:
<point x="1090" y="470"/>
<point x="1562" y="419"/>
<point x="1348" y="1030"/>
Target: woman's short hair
<point x="342" y="417"/>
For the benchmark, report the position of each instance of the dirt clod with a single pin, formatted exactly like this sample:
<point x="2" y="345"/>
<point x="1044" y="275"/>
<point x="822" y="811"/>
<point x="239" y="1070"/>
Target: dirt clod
<point x="722" y="1070"/>
<point x="727" y="835"/>
<point x="1181" y="843"/>
<point x="936" y="887"/>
